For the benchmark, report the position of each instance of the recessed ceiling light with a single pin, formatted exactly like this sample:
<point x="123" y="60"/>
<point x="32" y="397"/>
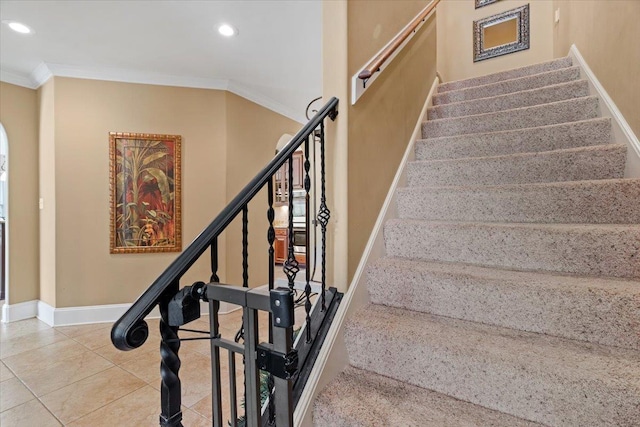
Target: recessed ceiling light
<point x="227" y="30"/>
<point x="19" y="28"/>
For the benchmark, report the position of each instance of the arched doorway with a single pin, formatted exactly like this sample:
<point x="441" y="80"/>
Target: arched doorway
<point x="4" y="212"/>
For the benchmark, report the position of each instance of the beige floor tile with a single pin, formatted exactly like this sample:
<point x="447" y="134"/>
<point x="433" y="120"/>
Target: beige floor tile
<point x="30" y="341"/>
<point x="119" y="357"/>
<point x="193" y="419"/>
<point x="13" y="393"/>
<point x="85" y="396"/>
<point x="23" y="327"/>
<point x="77" y="330"/>
<point x="30" y="414"/>
<point x="95" y="339"/>
<point x="24" y="363"/>
<point x="61" y="373"/>
<point x="5" y="373"/>
<point x="146" y="367"/>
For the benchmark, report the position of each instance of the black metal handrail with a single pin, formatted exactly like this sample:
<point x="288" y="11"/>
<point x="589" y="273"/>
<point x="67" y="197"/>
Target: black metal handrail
<point x="130" y="331"/>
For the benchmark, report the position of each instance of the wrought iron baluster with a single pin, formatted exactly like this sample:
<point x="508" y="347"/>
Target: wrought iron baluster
<point x="245" y="246"/>
<point x="271" y="237"/>
<point x="214" y="260"/>
<point x="233" y="400"/>
<point x="307" y="188"/>
<point x="216" y="386"/>
<point x="291" y="264"/>
<point x="170" y="394"/>
<point x="323" y="217"/>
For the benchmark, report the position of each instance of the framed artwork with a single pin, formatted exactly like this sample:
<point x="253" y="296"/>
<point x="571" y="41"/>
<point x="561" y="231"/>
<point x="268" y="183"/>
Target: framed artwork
<point x="480" y="3"/>
<point x="501" y="34"/>
<point x="145" y="181"/>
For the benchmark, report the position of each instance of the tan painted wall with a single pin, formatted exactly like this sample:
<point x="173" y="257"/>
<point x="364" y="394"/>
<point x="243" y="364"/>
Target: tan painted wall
<point x="47" y="156"/>
<point x="252" y="134"/>
<point x="455" y="37"/>
<point x="382" y="121"/>
<point x="607" y="34"/>
<point x="19" y="117"/>
<point x="85" y="112"/>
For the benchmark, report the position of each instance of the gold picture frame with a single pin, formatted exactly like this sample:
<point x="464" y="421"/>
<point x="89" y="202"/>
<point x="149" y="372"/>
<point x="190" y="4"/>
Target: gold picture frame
<point x="145" y="193"/>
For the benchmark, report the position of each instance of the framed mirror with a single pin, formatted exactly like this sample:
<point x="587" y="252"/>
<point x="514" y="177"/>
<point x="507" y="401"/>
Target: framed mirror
<point x="480" y="3"/>
<point x="500" y="34"/>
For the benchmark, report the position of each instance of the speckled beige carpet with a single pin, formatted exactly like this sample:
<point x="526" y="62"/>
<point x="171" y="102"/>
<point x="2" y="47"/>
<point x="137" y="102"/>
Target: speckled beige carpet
<point x="510" y="293"/>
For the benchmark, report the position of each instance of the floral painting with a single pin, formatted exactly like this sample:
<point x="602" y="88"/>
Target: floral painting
<point x="145" y="193"/>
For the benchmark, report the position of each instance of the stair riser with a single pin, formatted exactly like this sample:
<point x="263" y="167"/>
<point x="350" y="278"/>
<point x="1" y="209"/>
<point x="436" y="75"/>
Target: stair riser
<point x="596" y="202"/>
<point x="571" y="308"/>
<point x="522" y="388"/>
<point x="540" y="115"/>
<point x="506" y="75"/>
<point x="595" y="250"/>
<point x="528" y="98"/>
<point x="545" y="138"/>
<point x="509" y="86"/>
<point x="605" y="162"/>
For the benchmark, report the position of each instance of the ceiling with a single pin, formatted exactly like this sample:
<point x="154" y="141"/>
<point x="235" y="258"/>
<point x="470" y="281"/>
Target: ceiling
<point x="275" y="60"/>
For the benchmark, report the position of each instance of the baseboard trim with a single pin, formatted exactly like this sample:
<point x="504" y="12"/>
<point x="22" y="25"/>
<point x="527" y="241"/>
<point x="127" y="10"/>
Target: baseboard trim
<point x="332" y="358"/>
<point x="66" y="316"/>
<point x="20" y="311"/>
<point x="620" y="127"/>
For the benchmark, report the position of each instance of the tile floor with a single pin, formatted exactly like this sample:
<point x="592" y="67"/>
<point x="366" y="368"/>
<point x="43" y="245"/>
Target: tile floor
<point x="73" y="376"/>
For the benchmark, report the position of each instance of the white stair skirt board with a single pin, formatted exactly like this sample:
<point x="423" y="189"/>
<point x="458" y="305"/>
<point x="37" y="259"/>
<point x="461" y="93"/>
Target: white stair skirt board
<point x="332" y="358"/>
<point x="83" y="315"/>
<point x="622" y="132"/>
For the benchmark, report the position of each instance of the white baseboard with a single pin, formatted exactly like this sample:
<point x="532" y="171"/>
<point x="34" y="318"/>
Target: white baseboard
<point x="20" y="311"/>
<point x="622" y="132"/>
<point x="332" y="358"/>
<point x="53" y="316"/>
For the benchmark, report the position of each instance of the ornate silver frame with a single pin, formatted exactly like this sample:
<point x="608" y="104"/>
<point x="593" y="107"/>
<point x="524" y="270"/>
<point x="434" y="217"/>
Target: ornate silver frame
<point x="481" y="3"/>
<point x="521" y="14"/>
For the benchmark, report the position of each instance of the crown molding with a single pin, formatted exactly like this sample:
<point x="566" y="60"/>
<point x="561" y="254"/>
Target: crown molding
<point x="264" y="101"/>
<point x="44" y="71"/>
<point x="40" y="74"/>
<point x="17" y="79"/>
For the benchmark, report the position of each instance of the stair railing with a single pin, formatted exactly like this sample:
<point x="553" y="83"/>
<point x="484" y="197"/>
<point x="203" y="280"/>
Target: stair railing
<point x="367" y="74"/>
<point x="287" y="363"/>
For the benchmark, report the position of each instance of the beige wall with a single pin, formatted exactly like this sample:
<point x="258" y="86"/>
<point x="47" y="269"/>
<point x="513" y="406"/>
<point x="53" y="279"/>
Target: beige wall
<point x="47" y="161"/>
<point x="19" y="117"/>
<point x="608" y="36"/>
<point x="455" y="37"/>
<point x="252" y="134"/>
<point x="382" y="121"/>
<point x="85" y="112"/>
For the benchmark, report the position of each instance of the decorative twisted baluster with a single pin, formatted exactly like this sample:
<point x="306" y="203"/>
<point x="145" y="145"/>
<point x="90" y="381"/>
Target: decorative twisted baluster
<point x="291" y="264"/>
<point x="245" y="246"/>
<point x="170" y="396"/>
<point x="323" y="217"/>
<point x="214" y="260"/>
<point x="307" y="287"/>
<point x="271" y="237"/>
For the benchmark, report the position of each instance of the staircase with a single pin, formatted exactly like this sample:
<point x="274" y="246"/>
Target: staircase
<point x="510" y="290"/>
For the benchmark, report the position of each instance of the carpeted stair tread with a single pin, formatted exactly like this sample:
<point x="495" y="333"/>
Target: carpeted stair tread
<point x="609" y="201"/>
<point x="508" y="86"/>
<point x="519" y="118"/>
<point x="507" y="75"/>
<point x="385" y="402"/>
<point x="542" y="138"/>
<point x="587" y="249"/>
<point x="525" y="98"/>
<point x="598" y="310"/>
<point x="572" y="164"/>
<point x="536" y="377"/>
